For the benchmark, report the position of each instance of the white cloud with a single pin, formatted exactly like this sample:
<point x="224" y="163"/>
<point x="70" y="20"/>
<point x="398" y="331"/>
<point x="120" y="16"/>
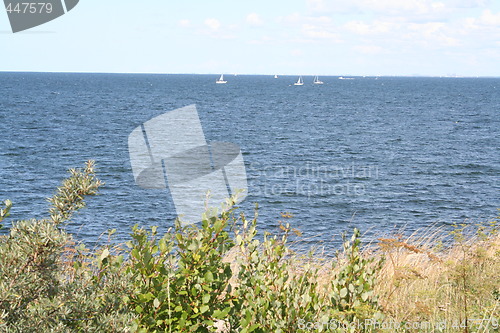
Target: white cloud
<point x="185" y="23"/>
<point x="369" y="49"/>
<point x="488" y="23"/>
<point x="396" y="6"/>
<point x="490" y="19"/>
<point x="438" y="6"/>
<point x="317" y="5"/>
<point x="318" y="32"/>
<point x="392" y="28"/>
<point x="322" y="19"/>
<point x="384" y="7"/>
<point x="432" y="35"/>
<point x="254" y="20"/>
<point x="263" y="40"/>
<point x="427" y="29"/>
<point x="293" y="18"/>
<point x="358" y="27"/>
<point x="212" y="24"/>
<point x="408" y="10"/>
<point x="309" y="29"/>
<point x="217" y="30"/>
<point x="377" y="27"/>
<point x="332" y="6"/>
<point x="469" y="3"/>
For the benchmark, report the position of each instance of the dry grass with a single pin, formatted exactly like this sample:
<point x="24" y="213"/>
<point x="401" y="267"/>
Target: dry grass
<point x="421" y="281"/>
<point x="444" y="282"/>
<point x="424" y="282"/>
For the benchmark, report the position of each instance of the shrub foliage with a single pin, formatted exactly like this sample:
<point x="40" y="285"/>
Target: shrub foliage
<point x="218" y="276"/>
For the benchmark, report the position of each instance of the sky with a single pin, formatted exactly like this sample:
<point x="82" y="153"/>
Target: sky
<point x="294" y="37"/>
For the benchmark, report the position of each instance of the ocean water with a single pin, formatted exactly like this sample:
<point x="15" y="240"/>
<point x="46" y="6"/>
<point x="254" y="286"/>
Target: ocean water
<point x="379" y="154"/>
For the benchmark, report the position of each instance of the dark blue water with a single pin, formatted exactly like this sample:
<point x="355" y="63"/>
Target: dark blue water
<point x="376" y="153"/>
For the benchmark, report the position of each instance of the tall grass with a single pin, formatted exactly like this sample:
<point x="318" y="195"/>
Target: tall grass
<point x="455" y="286"/>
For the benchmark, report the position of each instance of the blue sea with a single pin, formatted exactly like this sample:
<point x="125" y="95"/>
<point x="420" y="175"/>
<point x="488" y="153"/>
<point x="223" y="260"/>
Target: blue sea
<point x="377" y="153"/>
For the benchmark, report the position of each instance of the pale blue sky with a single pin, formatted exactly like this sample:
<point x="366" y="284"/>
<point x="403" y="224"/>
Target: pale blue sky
<point x="326" y="37"/>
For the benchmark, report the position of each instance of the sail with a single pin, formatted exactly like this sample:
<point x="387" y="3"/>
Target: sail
<point x="221" y="79"/>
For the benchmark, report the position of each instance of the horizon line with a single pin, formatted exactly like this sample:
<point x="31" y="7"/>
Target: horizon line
<point x="253" y="74"/>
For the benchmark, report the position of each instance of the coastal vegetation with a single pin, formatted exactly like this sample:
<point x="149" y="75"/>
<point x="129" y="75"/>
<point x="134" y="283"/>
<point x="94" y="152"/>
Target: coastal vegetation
<point x="219" y="276"/>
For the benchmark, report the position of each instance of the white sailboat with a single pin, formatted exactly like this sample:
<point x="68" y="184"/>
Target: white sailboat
<point x="299" y="82"/>
<point x="317" y="81"/>
<point x="276" y="76"/>
<point x="221" y="79"/>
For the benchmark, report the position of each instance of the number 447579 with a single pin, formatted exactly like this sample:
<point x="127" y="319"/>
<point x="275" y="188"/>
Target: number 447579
<point x="29" y="7"/>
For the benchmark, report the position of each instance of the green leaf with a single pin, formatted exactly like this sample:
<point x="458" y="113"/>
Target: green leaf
<point x="135" y="254"/>
<point x="156" y="303"/>
<point x="253" y="327"/>
<point x="163" y="245"/>
<point x="209" y="277"/>
<point x="104" y="255"/>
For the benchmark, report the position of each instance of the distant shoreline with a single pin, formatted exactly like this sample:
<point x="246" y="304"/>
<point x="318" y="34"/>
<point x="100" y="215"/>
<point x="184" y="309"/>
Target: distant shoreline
<point x="256" y="74"/>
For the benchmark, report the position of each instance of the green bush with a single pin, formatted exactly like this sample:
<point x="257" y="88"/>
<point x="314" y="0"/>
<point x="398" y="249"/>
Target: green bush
<point x="353" y="287"/>
<point x="48" y="285"/>
<point x="182" y="281"/>
<point x="270" y="297"/>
